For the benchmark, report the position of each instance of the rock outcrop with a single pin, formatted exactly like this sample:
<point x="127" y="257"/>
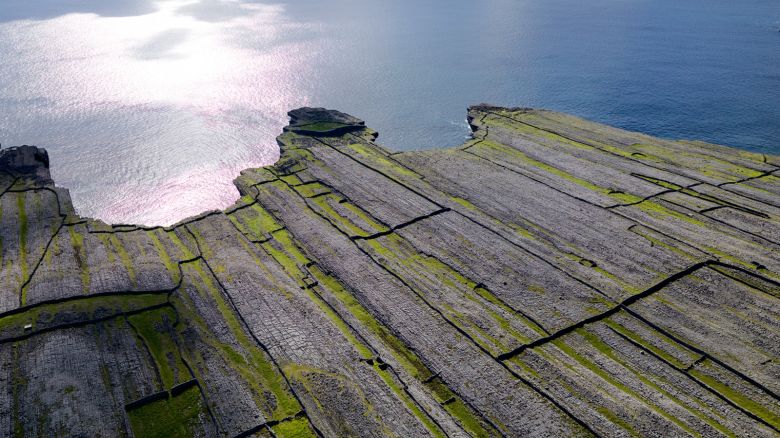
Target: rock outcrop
<point x="551" y="277"/>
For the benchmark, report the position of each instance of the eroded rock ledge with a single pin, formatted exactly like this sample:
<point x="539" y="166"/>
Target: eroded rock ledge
<point x="551" y="277"/>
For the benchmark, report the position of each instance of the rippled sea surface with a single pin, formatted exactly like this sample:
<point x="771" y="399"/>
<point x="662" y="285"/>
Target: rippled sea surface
<point x="149" y="108"/>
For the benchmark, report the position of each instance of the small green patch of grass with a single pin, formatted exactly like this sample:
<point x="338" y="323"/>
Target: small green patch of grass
<point x="320" y="126"/>
<point x="295" y="428"/>
<point x="178" y="416"/>
<point x="124" y="257"/>
<point x="155" y="328"/>
<point x="736" y="397"/>
<point x="172" y="267"/>
<point x="255" y="222"/>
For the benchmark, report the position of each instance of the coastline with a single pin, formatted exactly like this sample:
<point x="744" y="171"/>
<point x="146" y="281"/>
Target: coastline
<point x="503" y="287"/>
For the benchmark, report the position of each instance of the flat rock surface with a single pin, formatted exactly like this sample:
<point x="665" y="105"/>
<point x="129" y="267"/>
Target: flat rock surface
<point x="550" y="277"/>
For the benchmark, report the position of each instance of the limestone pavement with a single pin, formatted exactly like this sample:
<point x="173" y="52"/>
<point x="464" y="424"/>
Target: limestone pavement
<point x="550" y="277"/>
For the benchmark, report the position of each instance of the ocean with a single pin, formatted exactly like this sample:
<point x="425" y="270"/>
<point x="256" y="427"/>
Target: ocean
<point x="149" y="108"/>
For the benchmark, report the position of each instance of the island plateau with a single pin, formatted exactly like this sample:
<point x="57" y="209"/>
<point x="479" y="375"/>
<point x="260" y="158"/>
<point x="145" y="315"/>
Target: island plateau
<point x="550" y="277"/>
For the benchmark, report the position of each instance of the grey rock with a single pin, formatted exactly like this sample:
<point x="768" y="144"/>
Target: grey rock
<point x="550" y="277"/>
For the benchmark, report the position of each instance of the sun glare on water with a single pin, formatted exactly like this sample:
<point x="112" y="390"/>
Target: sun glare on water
<point x="188" y="83"/>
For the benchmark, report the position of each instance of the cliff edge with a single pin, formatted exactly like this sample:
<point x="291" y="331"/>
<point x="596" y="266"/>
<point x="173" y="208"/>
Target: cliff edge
<point x="550" y="277"/>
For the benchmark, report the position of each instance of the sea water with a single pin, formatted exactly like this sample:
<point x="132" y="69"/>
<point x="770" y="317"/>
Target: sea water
<point x="149" y="108"/>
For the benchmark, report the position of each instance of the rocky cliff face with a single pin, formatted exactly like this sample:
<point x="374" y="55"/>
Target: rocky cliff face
<point x="551" y="277"/>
